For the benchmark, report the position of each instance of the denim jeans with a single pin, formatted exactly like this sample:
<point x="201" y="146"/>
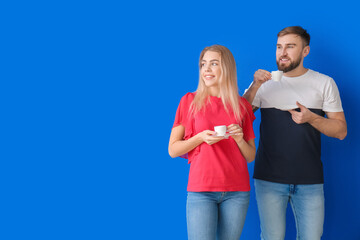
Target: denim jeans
<point x="307" y="202"/>
<point x="216" y="215"/>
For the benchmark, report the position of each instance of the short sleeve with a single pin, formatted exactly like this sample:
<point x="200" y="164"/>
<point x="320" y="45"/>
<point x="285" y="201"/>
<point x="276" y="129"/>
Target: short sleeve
<point x="256" y="100"/>
<point x="179" y="117"/>
<point x="182" y="118"/>
<point x="182" y="115"/>
<point x="247" y="120"/>
<point x="332" y="101"/>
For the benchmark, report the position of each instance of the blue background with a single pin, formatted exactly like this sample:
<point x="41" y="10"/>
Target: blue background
<point x="89" y="91"/>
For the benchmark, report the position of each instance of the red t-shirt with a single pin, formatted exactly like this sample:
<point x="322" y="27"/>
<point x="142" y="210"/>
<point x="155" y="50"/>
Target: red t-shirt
<point x="219" y="167"/>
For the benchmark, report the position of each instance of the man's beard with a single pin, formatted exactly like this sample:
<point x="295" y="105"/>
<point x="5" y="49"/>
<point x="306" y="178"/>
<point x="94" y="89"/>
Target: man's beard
<point x="292" y="65"/>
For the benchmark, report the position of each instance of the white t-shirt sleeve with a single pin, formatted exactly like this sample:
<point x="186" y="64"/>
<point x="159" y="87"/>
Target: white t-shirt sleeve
<point x="332" y="101"/>
<point x="256" y="101"/>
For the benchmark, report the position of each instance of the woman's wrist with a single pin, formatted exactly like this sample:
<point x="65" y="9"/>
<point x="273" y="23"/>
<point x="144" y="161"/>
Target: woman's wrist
<point x="240" y="141"/>
<point x="198" y="138"/>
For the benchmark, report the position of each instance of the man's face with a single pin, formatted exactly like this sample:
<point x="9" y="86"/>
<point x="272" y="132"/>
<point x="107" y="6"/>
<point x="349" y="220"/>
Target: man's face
<point x="289" y="52"/>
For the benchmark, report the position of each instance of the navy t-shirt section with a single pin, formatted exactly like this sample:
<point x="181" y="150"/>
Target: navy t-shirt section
<point x="295" y="156"/>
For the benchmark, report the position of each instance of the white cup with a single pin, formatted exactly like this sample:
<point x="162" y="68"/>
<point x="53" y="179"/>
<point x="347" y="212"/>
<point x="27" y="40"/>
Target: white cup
<point x="276" y="75"/>
<point x="220" y="130"/>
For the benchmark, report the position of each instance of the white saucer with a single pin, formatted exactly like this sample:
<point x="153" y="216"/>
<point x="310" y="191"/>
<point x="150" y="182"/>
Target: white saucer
<point x="225" y="136"/>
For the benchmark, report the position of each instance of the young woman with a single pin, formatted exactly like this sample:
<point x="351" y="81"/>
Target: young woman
<point x="218" y="186"/>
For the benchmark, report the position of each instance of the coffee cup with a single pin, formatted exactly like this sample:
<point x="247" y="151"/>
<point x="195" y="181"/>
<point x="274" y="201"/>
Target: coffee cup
<point x="276" y="75"/>
<point x="220" y="130"/>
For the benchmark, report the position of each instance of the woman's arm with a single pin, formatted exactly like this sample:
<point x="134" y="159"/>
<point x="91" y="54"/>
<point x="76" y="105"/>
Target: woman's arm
<point x="248" y="149"/>
<point x="178" y="146"/>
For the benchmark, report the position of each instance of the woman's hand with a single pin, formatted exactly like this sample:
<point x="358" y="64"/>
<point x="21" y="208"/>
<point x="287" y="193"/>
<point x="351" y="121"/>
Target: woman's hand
<point x="236" y="132"/>
<point x="208" y="137"/>
<point x="178" y="146"/>
<point x="247" y="148"/>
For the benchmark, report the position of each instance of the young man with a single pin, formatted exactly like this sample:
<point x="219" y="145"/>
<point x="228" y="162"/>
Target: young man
<point x="288" y="166"/>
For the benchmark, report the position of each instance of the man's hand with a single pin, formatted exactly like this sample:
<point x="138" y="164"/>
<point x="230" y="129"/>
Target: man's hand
<point x="304" y="116"/>
<point x="261" y="76"/>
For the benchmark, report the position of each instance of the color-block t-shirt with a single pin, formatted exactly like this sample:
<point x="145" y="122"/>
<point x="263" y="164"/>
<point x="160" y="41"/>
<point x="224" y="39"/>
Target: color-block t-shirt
<point x="289" y="152"/>
<point x="221" y="166"/>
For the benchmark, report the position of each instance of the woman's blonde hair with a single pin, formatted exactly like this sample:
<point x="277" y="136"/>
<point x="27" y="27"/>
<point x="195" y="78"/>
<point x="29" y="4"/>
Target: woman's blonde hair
<point x="227" y="83"/>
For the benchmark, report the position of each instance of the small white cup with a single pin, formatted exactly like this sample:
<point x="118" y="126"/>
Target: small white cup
<point x="276" y="75"/>
<point x="220" y="130"/>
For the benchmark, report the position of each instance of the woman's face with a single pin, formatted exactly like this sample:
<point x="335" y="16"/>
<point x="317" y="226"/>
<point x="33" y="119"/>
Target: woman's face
<point x="210" y="69"/>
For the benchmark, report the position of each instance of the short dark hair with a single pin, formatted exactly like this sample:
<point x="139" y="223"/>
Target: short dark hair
<point x="297" y="30"/>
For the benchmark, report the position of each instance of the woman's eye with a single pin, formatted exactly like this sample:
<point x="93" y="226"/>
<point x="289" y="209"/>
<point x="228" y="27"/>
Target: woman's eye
<point x="214" y="64"/>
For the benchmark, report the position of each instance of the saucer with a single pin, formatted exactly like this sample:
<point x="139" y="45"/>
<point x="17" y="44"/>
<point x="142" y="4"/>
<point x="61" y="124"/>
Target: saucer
<point x="226" y="136"/>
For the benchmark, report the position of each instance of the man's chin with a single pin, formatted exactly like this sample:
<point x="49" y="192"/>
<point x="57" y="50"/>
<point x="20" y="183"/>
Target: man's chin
<point x="288" y="67"/>
<point x="283" y="68"/>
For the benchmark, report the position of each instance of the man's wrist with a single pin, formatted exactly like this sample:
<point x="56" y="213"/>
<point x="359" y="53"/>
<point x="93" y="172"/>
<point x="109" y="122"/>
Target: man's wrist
<point x="256" y="84"/>
<point x="314" y="118"/>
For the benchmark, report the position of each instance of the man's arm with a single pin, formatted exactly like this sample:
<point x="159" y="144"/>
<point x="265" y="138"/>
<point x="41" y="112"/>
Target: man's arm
<point x="260" y="77"/>
<point x="250" y="95"/>
<point x="332" y="126"/>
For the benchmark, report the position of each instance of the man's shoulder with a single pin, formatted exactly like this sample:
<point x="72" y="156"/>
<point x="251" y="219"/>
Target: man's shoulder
<point x="318" y="75"/>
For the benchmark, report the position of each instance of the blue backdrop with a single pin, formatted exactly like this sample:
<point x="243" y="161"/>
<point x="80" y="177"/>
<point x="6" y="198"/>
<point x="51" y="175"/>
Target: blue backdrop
<point x="89" y="91"/>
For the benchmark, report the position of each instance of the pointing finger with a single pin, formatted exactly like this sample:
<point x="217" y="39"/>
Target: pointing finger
<point x="292" y="112"/>
<point x="299" y="105"/>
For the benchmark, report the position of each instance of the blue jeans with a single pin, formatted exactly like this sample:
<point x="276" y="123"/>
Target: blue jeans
<point x="307" y="202"/>
<point x="216" y="215"/>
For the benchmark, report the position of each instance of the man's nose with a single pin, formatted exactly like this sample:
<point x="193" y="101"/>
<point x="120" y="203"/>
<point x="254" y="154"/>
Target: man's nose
<point x="283" y="52"/>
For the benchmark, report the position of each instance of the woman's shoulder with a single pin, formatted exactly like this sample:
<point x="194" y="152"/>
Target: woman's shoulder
<point x="244" y="101"/>
<point x="246" y="106"/>
<point x="190" y="94"/>
<point x="188" y="97"/>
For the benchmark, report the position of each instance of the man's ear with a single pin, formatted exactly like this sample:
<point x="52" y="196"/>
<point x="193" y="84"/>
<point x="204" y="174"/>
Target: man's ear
<point x="306" y="51"/>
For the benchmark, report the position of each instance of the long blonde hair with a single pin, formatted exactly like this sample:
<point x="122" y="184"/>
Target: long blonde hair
<point x="227" y="83"/>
